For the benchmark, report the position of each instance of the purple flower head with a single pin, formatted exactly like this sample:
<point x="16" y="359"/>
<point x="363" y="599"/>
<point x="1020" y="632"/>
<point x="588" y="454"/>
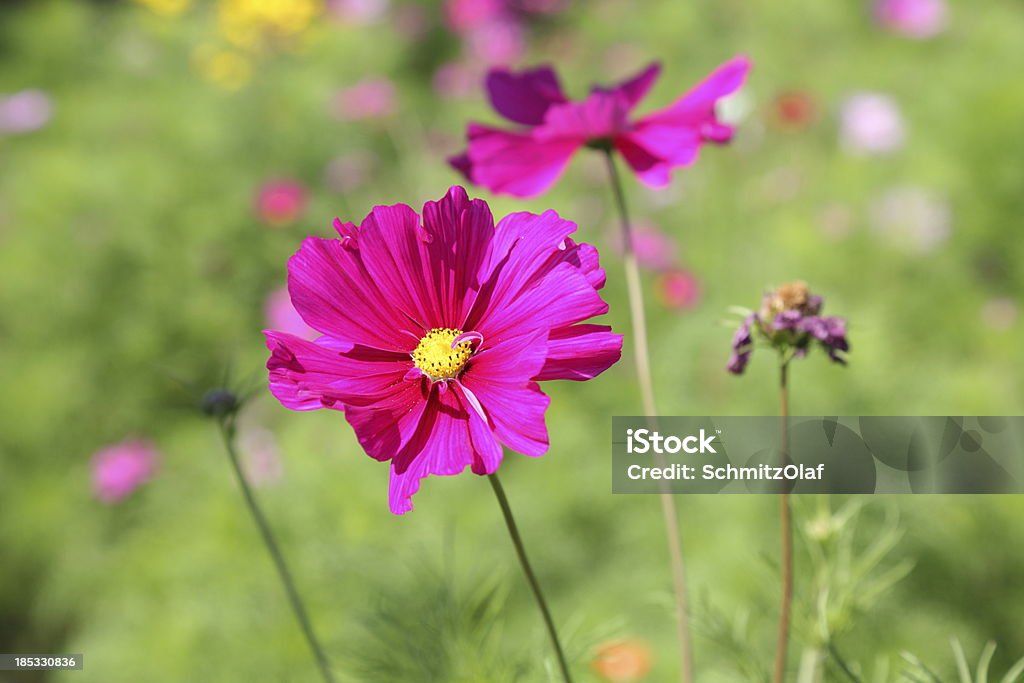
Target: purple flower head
<point x="526" y="161"/>
<point x="789" y="321"/>
<point x="436" y="329"/>
<point x="119" y="469"/>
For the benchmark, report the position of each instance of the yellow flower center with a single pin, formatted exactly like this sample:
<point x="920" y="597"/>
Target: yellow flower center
<point x="435" y="356"/>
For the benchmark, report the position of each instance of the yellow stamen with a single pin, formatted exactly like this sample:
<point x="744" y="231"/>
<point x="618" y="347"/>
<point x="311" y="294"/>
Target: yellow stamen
<point x="435" y="356"/>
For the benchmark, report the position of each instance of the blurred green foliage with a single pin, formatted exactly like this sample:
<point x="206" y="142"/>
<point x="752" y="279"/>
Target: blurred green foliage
<point x="133" y="273"/>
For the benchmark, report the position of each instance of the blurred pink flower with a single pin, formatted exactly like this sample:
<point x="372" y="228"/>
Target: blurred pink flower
<point x="526" y="161"/>
<point x="455" y="80"/>
<point x="654" y="249"/>
<point x="912" y="18"/>
<point x="281" y="315"/>
<point x="358" y="12"/>
<point x="678" y="289"/>
<point x="350" y="171"/>
<point x="119" y="469"/>
<point x="279" y="202"/>
<point x="368" y="99"/>
<point x="467" y="15"/>
<point x="871" y="123"/>
<point x="25" y="111"/>
<point x="261" y="458"/>
<point x="498" y="42"/>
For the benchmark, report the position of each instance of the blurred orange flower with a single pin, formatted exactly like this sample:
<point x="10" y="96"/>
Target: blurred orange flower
<point x="622" y="661"/>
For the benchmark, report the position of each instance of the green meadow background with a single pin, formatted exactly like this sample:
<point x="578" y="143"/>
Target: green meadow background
<point x="133" y="275"/>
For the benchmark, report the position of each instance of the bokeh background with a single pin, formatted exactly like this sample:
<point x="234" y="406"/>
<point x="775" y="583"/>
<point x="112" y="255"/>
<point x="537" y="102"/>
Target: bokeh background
<point x="160" y="160"/>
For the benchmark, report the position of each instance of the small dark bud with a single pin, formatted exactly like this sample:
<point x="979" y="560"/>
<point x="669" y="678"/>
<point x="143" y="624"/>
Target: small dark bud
<point x="219" y="403"/>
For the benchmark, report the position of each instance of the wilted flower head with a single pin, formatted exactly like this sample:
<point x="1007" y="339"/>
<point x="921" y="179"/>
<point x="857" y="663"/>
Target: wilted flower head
<point x="871" y="123"/>
<point x="25" y="111"/>
<point x="912" y="18"/>
<point x="789" y="321"/>
<point x="436" y="331"/>
<point x="622" y="661"/>
<point x="279" y="202"/>
<point x="119" y="469"/>
<point x="526" y="161"/>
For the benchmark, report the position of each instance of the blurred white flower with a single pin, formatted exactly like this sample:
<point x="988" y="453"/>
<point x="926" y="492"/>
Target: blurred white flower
<point x="999" y="314"/>
<point x="871" y="123"/>
<point x="912" y="218"/>
<point x="261" y="458"/>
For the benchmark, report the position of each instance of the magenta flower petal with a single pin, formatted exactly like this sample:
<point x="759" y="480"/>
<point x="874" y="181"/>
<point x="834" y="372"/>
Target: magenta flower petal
<point x="698" y="105"/>
<point x="442" y="445"/>
<point x="436" y="330"/>
<point x="634" y="89"/>
<point x="327" y="373"/>
<point x="333" y="292"/>
<point x="580" y="352"/>
<point x="513" y="163"/>
<point x="525" y="96"/>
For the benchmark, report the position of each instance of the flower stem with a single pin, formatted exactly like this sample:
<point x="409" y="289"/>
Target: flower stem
<point x="641" y="358"/>
<point x="531" y="578"/>
<point x="227" y="430"/>
<point x="786" y="522"/>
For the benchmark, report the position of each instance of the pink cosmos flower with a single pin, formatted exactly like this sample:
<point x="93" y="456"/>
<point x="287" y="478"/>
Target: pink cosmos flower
<point x="525" y="162"/>
<point x="437" y="330"/>
<point x="279" y="202"/>
<point x="281" y="315"/>
<point x="367" y="99"/>
<point x="119" y="469"/>
<point x="918" y="19"/>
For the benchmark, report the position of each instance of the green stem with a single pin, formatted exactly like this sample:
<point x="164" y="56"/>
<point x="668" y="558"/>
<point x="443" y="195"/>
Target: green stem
<point x="786" y="523"/>
<point x="531" y="578"/>
<point x="227" y="430"/>
<point x="641" y="358"/>
<point x="843" y="666"/>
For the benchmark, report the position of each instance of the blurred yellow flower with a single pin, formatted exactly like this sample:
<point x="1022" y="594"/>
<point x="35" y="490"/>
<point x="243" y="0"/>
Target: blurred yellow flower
<point x="166" y="7"/>
<point x="224" y="68"/>
<point x="250" y="23"/>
